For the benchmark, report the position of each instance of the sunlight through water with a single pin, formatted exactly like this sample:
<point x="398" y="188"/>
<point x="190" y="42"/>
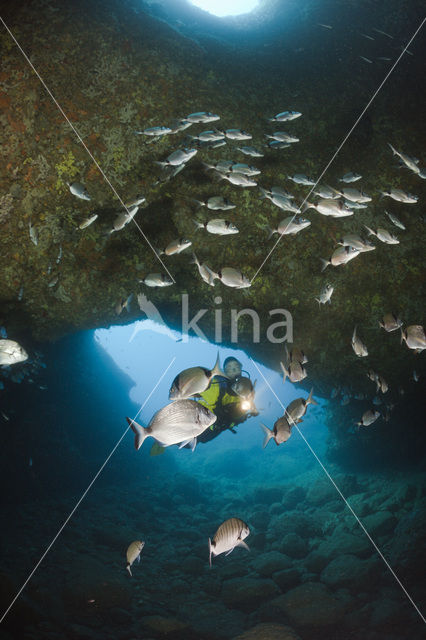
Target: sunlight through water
<point x="224" y="8"/>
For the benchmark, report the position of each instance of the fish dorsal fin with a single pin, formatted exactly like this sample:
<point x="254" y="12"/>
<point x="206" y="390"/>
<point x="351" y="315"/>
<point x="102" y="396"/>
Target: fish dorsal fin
<point x="217" y="371"/>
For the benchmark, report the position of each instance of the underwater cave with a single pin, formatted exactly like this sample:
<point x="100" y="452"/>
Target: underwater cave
<point x="170" y="241"/>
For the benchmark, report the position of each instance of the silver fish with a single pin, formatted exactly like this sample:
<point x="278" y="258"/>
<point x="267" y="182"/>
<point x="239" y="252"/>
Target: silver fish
<point x="353" y="195"/>
<point x="88" y="221"/>
<point x="368" y="418"/>
<point x="390" y="322"/>
<point x="59" y="258"/>
<point x="33" y="234"/>
<point x="251" y="151"/>
<point x="216" y="203"/>
<point x="366" y="59"/>
<point x="175" y="247"/>
<point x="238" y="179"/>
<point x="193" y="381"/>
<point x="179" y="422"/>
<point x="277" y="144"/>
<point x="330" y="207"/>
<point x="79" y="190"/>
<point x="414" y="337"/>
<point x="205" y="272"/>
<point x="350" y="177"/>
<point x="280" y="432"/>
<point x="342" y="255"/>
<point x="155" y="131"/>
<point x="325" y="295"/>
<point x="355" y="205"/>
<point x="123" y="218"/>
<point x="217" y="226"/>
<point x="208" y="136"/>
<point x="180" y="125"/>
<point x="124" y="303"/>
<point x="279" y="191"/>
<point x="410" y="163"/>
<point x="395" y="220"/>
<point x="358" y="346"/>
<point x="157" y="280"/>
<point x="222" y="166"/>
<point x="285" y="116"/>
<point x="400" y="196"/>
<point x="229" y="535"/>
<point x="295" y="355"/>
<point x="383" y="33"/>
<point x="178" y="157"/>
<point x="136" y="202"/>
<point x="381" y="384"/>
<point x="297" y="408"/>
<point x="202" y="116"/>
<point x="133" y="553"/>
<point x="237" y="134"/>
<point x="233" y="278"/>
<point x="300" y="178"/>
<point x="282" y="136"/>
<point x="295" y="371"/>
<point x="355" y="241"/>
<point x="279" y="200"/>
<point x="290" y="226"/>
<point x="383" y="235"/>
<point x="11" y="352"/>
<point x="326" y="193"/>
<point x="245" y="169"/>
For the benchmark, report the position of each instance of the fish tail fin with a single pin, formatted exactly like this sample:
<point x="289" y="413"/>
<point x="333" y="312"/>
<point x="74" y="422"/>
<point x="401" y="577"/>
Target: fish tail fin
<point x="310" y="399"/>
<point x="159" y="252"/>
<point x="370" y="231"/>
<point x="263" y="192"/>
<point x="285" y="372"/>
<point x="140" y="432"/>
<point x="194" y="260"/>
<point x="243" y="544"/>
<point x="268" y="434"/>
<point x="354" y="333"/>
<point x="217" y="371"/>
<point x="199" y="202"/>
<point x="324" y="263"/>
<point x="129" y="569"/>
<point x="198" y="224"/>
<point x="394" y="151"/>
<point x="305" y="206"/>
<point x="210" y="552"/>
<point x="271" y="232"/>
<point x="160" y="163"/>
<point x="402" y="336"/>
<point x="319" y="302"/>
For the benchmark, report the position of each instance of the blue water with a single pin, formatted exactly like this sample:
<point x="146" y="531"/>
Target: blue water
<point x="337" y="535"/>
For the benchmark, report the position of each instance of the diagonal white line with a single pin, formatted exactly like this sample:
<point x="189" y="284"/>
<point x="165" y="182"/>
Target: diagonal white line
<point x="80" y="139"/>
<point x="68" y="518"/>
<point x="288" y="416"/>
<point x="339" y="148"/>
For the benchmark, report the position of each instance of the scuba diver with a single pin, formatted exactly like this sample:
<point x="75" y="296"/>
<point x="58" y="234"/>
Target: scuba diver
<point x="231" y="398"/>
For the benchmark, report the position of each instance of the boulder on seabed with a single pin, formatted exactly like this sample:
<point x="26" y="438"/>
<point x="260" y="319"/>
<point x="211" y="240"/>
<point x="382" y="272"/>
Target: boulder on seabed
<point x="267" y="563"/>
<point x="244" y="593"/>
<point x="349" y="571"/>
<point x="268" y="631"/>
<point x="311" y="604"/>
